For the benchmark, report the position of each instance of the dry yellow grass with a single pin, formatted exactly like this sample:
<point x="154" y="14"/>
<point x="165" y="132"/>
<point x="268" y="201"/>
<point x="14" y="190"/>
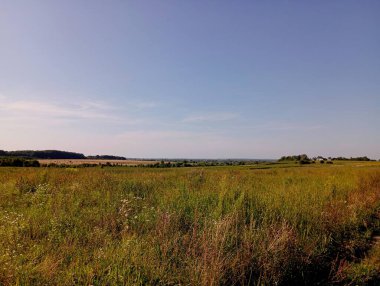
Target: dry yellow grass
<point x="305" y="225"/>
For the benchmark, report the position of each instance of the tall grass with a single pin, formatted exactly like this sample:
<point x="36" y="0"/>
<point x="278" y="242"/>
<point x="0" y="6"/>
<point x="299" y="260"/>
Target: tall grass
<point x="194" y="226"/>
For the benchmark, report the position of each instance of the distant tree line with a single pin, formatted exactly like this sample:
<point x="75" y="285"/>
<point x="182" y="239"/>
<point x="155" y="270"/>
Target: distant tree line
<point x="199" y="163"/>
<point x="18" y="162"/>
<point x="106" y="157"/>
<point x="364" y="158"/>
<point x="294" y="158"/>
<point x="45" y="154"/>
<point x="55" y="154"/>
<point x="304" y="159"/>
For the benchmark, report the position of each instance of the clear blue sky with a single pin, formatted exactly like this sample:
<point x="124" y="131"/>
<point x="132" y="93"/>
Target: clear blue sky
<point x="215" y="79"/>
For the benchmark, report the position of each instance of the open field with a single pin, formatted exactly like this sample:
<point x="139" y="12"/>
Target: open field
<point x="281" y="224"/>
<point x="94" y="162"/>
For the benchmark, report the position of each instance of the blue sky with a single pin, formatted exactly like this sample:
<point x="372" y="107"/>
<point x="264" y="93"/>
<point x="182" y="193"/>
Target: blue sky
<point x="210" y="79"/>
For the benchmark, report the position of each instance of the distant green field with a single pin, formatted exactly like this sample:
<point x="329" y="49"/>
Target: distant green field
<point x="267" y="223"/>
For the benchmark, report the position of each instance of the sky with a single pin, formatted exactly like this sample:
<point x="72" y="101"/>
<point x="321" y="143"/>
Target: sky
<point x="191" y="79"/>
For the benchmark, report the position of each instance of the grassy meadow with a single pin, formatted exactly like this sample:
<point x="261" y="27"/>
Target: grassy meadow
<point x="266" y="224"/>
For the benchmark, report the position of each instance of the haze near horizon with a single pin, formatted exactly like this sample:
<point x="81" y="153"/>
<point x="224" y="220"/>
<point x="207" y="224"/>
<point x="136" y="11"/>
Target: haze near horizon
<point x="191" y="79"/>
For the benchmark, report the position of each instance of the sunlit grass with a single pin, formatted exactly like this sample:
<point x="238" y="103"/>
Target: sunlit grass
<point x="192" y="226"/>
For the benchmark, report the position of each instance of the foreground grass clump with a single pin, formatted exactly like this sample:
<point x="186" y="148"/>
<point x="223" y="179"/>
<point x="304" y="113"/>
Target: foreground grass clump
<point x="190" y="226"/>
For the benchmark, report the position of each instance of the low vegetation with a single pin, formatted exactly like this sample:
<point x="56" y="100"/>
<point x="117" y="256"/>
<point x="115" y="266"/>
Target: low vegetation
<point x="239" y="225"/>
